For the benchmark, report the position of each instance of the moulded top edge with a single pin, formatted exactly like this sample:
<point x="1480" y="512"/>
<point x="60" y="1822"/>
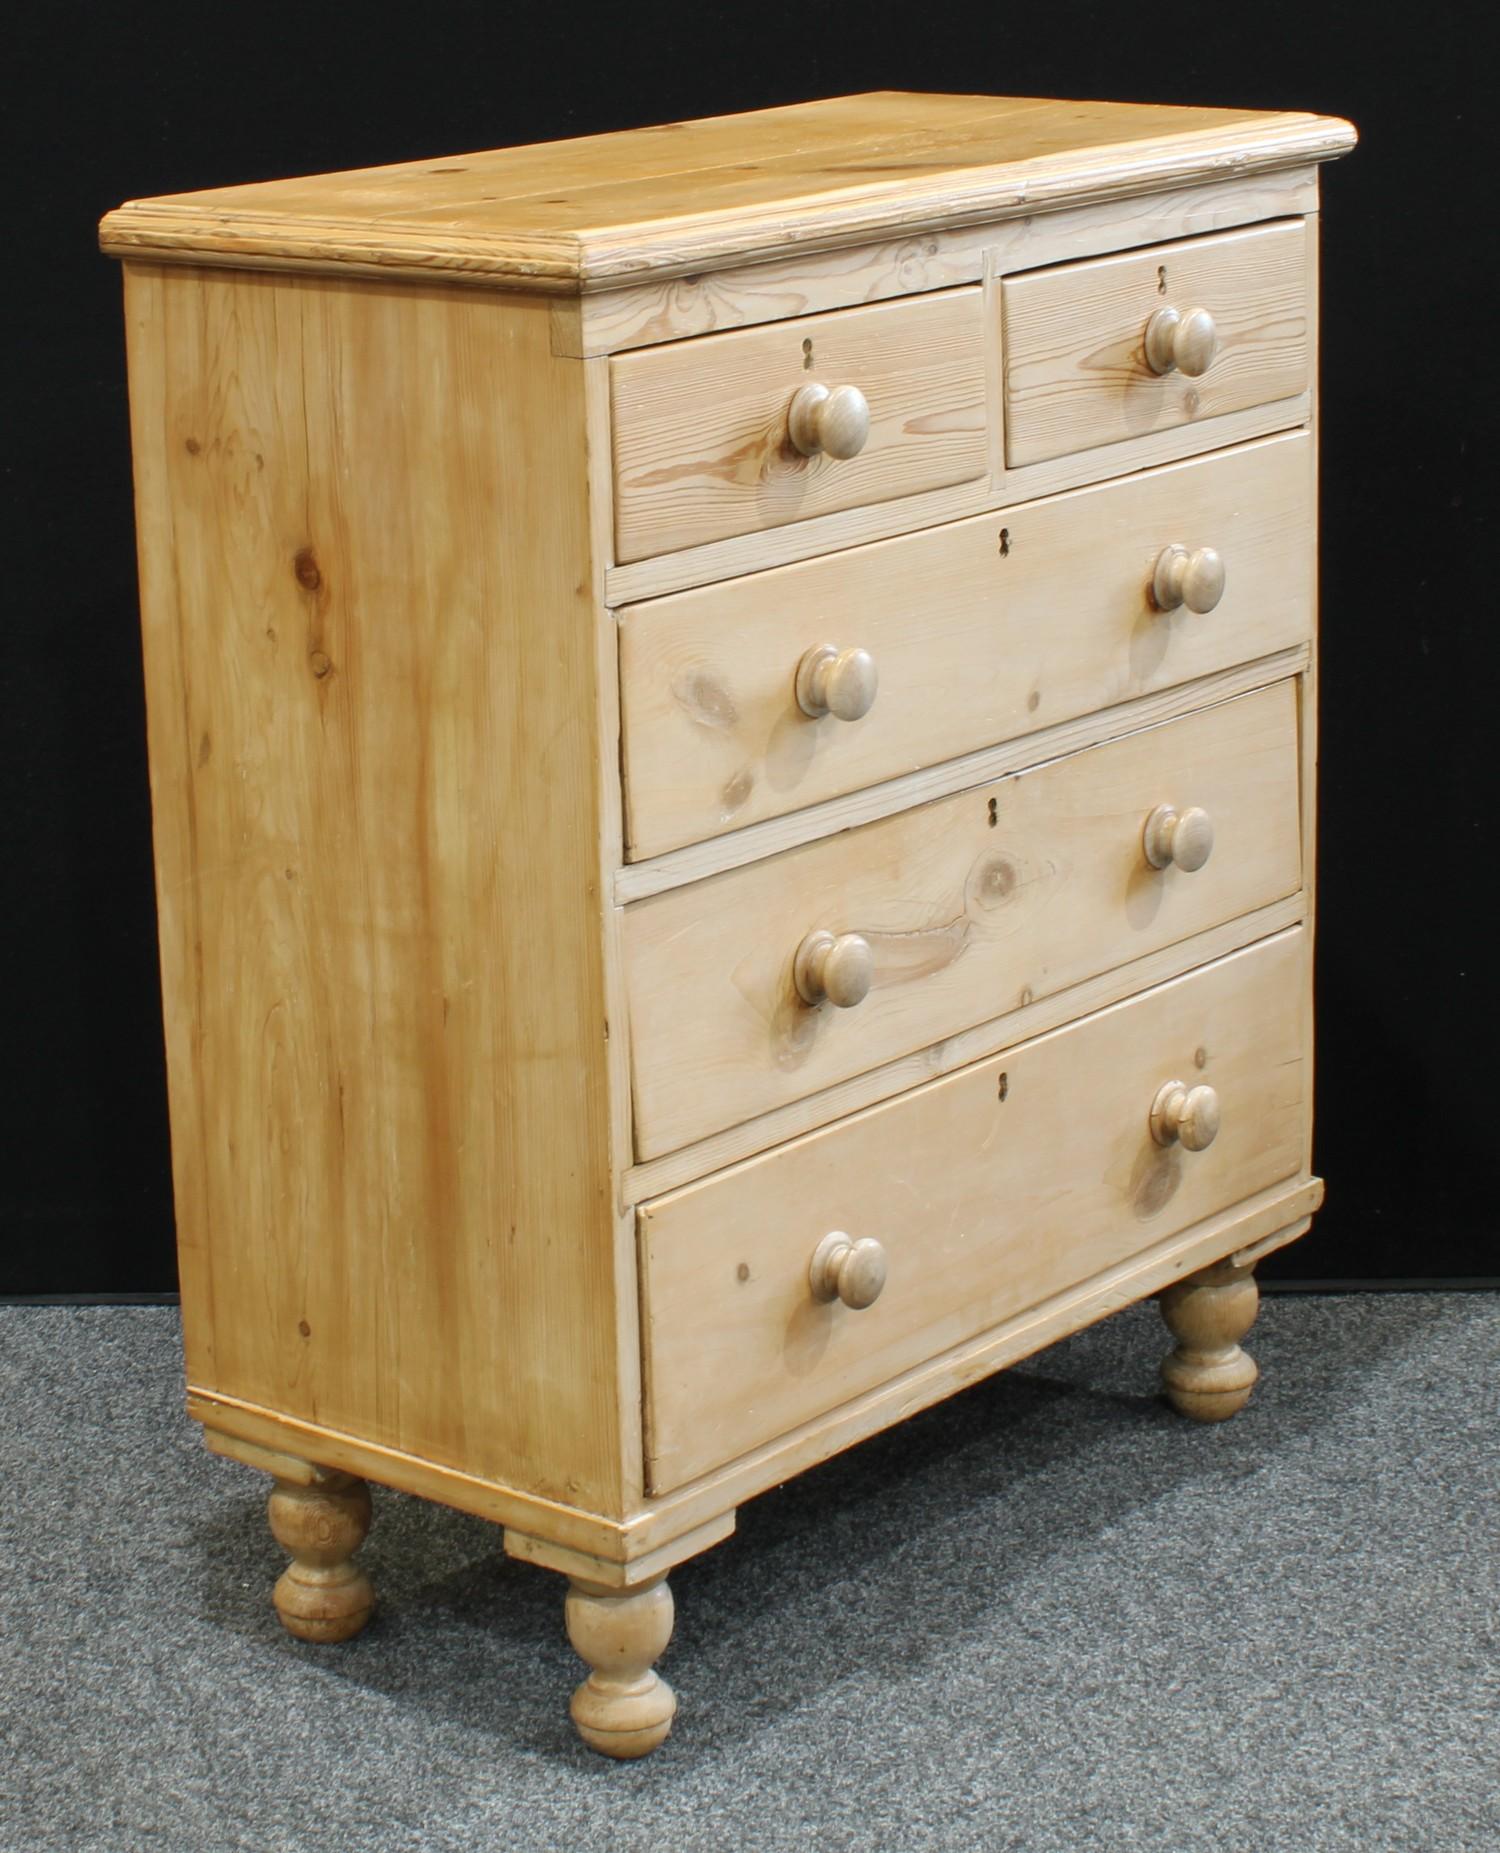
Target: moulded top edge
<point x="647" y="204"/>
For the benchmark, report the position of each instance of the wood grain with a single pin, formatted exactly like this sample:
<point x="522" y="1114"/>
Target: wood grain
<point x="735" y="848"/>
<point x="624" y="1708"/>
<point x="661" y="1530"/>
<point x="702" y="450"/>
<point x="1253" y="1228"/>
<point x="631" y="1571"/>
<point x="686" y="197"/>
<point x="1307" y="709"/>
<point x="981" y="631"/>
<point x="323" y="1595"/>
<point x="241" y="1425"/>
<point x="358" y="585"/>
<point x="996" y="895"/>
<point x="1207" y="1375"/>
<point x="1075" y="370"/>
<point x="965" y="1184"/>
<point x="287" y="1467"/>
<point x="608" y="854"/>
<point x="820" y="534"/>
<point x="644" y="314"/>
<point x="445" y="1002"/>
<point x="689" y="1162"/>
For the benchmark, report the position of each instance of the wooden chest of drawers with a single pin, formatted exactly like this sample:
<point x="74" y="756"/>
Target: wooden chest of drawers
<point x="732" y="746"/>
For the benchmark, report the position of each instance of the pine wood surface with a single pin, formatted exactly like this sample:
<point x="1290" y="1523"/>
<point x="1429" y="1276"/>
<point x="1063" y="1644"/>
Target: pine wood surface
<point x="683" y="197"/>
<point x="354" y="582"/>
<point x="1075" y="373"/>
<point x="998" y="894"/>
<point x="1015" y="1025"/>
<point x="1207" y="1375"/>
<point x="640" y="1559"/>
<point x="981" y="631"/>
<point x="702" y="450"/>
<point x="322" y="1595"/>
<point x="664" y="1529"/>
<point x="644" y="314"/>
<point x="735" y="848"/>
<point x="1308" y="710"/>
<point x="832" y="533"/>
<point x="1252" y="1229"/>
<point x="545" y="715"/>
<point x="624" y="1708"/>
<point x="969" y="1184"/>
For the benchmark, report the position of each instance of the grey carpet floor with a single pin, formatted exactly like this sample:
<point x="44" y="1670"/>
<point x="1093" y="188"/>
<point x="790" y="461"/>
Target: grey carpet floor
<point x="1047" y="1615"/>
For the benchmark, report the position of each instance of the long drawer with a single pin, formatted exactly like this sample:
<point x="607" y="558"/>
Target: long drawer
<point x="976" y="633"/>
<point x="702" y="444"/>
<point x="1081" y="368"/>
<point x="966" y="908"/>
<point x="986" y="1193"/>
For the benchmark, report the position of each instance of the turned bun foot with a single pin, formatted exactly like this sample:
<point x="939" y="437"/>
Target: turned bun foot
<point x="624" y="1708"/>
<point x="1206" y="1375"/>
<point x="322" y="1595"/>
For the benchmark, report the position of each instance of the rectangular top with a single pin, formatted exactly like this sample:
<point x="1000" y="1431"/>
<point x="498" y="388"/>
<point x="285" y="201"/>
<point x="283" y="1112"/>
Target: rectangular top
<point x="647" y="204"/>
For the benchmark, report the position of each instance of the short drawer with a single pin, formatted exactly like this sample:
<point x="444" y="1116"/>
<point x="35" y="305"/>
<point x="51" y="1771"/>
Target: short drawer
<point x="961" y="911"/>
<point x="987" y="1193"/>
<point x="971" y="634"/>
<point x="704" y="429"/>
<point x="1078" y="372"/>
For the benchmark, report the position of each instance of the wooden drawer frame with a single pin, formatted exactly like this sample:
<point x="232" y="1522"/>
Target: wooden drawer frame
<point x="1076" y="374"/>
<point x="1064" y="1119"/>
<point x="973" y="905"/>
<point x="700" y="432"/>
<point x="990" y="255"/>
<point x="981" y="632"/>
<point x="410" y="741"/>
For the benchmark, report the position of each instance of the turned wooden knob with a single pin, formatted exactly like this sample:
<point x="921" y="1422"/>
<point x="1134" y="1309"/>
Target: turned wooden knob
<point x="1193" y="579"/>
<point x="837" y="682"/>
<point x="838" y="967"/>
<point x="1185" y="1116"/>
<point x="836" y="422"/>
<point x="1184" y="839"/>
<point x="1178" y="342"/>
<point x="853" y="1272"/>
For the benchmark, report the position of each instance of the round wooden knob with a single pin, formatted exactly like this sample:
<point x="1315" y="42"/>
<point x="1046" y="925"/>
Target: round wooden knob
<point x="1189" y="1116"/>
<point x="1178" y="342"/>
<point x="1184" y="839"/>
<point x="840" y="968"/>
<point x="837" y="682"/>
<point x="1193" y="579"/>
<point x="853" y="1272"/>
<point x="837" y="423"/>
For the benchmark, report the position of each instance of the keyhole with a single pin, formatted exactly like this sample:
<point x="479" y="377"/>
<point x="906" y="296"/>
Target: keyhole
<point x="1161" y="279"/>
<point x="1004" y="1087"/>
<point x="994" y="812"/>
<point x="807" y="355"/>
<point x="1004" y="542"/>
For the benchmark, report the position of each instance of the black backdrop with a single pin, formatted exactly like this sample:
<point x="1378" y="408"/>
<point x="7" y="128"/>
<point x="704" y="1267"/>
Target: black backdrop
<point x="105" y="104"/>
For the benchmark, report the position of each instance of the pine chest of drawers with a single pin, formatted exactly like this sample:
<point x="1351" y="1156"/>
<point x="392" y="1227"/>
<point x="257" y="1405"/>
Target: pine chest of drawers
<point x="732" y="747"/>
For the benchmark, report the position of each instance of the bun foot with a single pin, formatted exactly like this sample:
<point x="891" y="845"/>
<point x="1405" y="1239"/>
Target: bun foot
<point x="1206" y="1375"/>
<point x="624" y="1708"/>
<point x="322" y="1595"/>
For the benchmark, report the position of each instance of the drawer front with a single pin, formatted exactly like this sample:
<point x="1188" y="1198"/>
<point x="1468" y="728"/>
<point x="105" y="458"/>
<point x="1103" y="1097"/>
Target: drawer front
<point x="1076" y="368"/>
<point x="976" y="633"/>
<point x="970" y="907"/>
<point x="988" y="1192"/>
<point x="703" y="447"/>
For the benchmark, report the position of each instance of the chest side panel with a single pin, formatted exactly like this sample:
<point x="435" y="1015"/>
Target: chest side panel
<point x="369" y="648"/>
